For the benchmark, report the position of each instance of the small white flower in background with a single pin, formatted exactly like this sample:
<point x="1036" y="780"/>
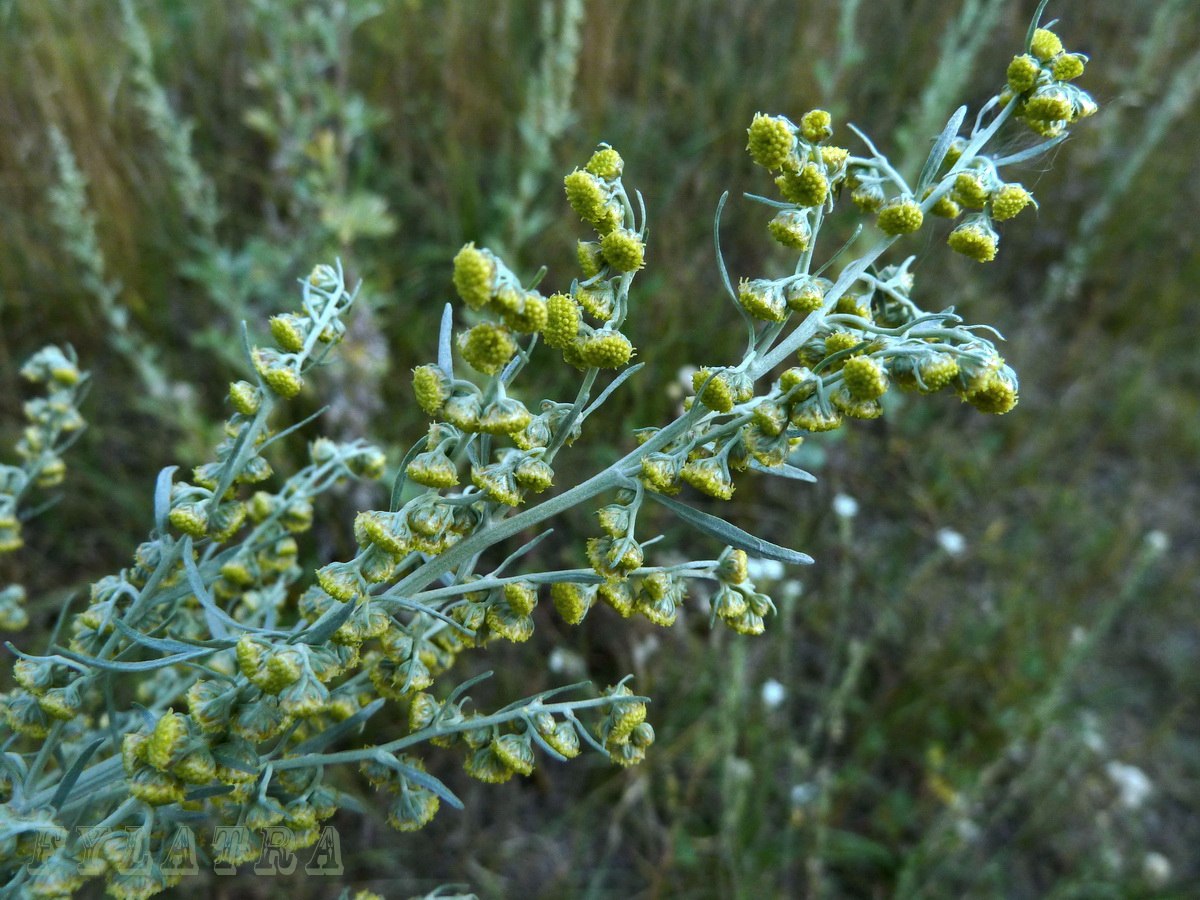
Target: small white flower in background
<point x="1156" y="869"/>
<point x="968" y="831"/>
<point x="1157" y="542"/>
<point x="803" y="794"/>
<point x="845" y="506"/>
<point x="1133" y="785"/>
<point x="951" y="542"/>
<point x="773" y="693"/>
<point x="1078" y="635"/>
<point x="643" y="650"/>
<point x="1089" y="732"/>
<point x="682" y="385"/>
<point x="791" y="590"/>
<point x="561" y="660"/>
<point x="764" y="569"/>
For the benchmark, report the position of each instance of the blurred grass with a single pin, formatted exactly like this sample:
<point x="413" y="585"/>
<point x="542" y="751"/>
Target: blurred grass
<point x="990" y="690"/>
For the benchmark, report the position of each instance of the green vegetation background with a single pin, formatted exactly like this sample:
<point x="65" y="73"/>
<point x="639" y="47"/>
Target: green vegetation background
<point x="949" y="723"/>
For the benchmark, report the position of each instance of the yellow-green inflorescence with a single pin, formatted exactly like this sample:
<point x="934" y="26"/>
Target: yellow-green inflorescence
<point x="253" y="675"/>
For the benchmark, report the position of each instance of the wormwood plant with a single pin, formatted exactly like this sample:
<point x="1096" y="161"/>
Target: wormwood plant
<point x="253" y="684"/>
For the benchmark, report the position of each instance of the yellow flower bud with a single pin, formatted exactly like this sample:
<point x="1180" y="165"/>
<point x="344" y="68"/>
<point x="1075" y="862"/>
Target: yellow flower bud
<point x="605" y="349"/>
<point x="996" y="395"/>
<point x="463" y="410"/>
<point x="531" y="314"/>
<point x="190" y="518"/>
<point x="791" y="229"/>
<point x="474" y="276"/>
<point x="900" y="216"/>
<point x="623" y="250"/>
<point x="591" y="260"/>
<point x="1045" y="44"/>
<point x="709" y="476"/>
<point x="573" y="600"/>
<point x="60" y="703"/>
<point x="340" y="582"/>
<point x="433" y="469"/>
<point x="812" y="415"/>
<point x="498" y="482"/>
<point x="868" y="197"/>
<point x="660" y="472"/>
<point x="763" y="299"/>
<point x="534" y="474"/>
<point x="1022" y="73"/>
<point x="422" y="710"/>
<point x="839" y="341"/>
<point x="1050" y="104"/>
<point x="563" y="738"/>
<point x="806" y="295"/>
<point x="156" y="788"/>
<point x="734" y="567"/>
<point x="835" y="159"/>
<point x="484" y="765"/>
<point x="1067" y="67"/>
<point x="411" y="811"/>
<point x="771" y="141"/>
<point x="937" y="371"/>
<point x="487" y="347"/>
<point x="431" y="387"/>
<point x="504" y="416"/>
<point x="289" y="331"/>
<point x="808" y="187"/>
<point x="970" y="191"/>
<point x="1009" y="201"/>
<point x="748" y="623"/>
<point x="946" y="207"/>
<point x="586" y="195"/>
<point x="975" y="240"/>
<point x="598" y="301"/>
<point x="245" y="397"/>
<point x="51" y="473"/>
<point x="718" y="395"/>
<point x="864" y="378"/>
<point x="508" y="623"/>
<point x="622" y="718"/>
<point x="197" y="767"/>
<point x="606" y="163"/>
<point x="514" y="751"/>
<point x="816" y="126"/>
<point x="166" y="740"/>
<point x="562" y="322"/>
<point x="521" y="597"/>
<point x="618" y="595"/>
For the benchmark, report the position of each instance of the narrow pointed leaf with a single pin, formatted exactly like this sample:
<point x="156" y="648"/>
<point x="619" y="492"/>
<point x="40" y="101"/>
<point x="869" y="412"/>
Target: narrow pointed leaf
<point x="731" y="534"/>
<point x="940" y="148"/>
<point x="320" y="630"/>
<point x="784" y="471"/>
<point x="445" y="334"/>
<point x="162" y="498"/>
<point x="69" y="779"/>
<point x="148" y="665"/>
<point x="427" y="781"/>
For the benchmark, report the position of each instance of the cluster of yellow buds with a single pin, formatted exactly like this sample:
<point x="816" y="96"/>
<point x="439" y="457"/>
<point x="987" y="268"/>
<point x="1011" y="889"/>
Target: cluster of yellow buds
<point x="811" y="171"/>
<point x="302" y="339"/>
<point x="52" y="422"/>
<point x="1039" y="82"/>
<point x="736" y="602"/>
<point x="624" y="732"/>
<point x="255" y="679"/>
